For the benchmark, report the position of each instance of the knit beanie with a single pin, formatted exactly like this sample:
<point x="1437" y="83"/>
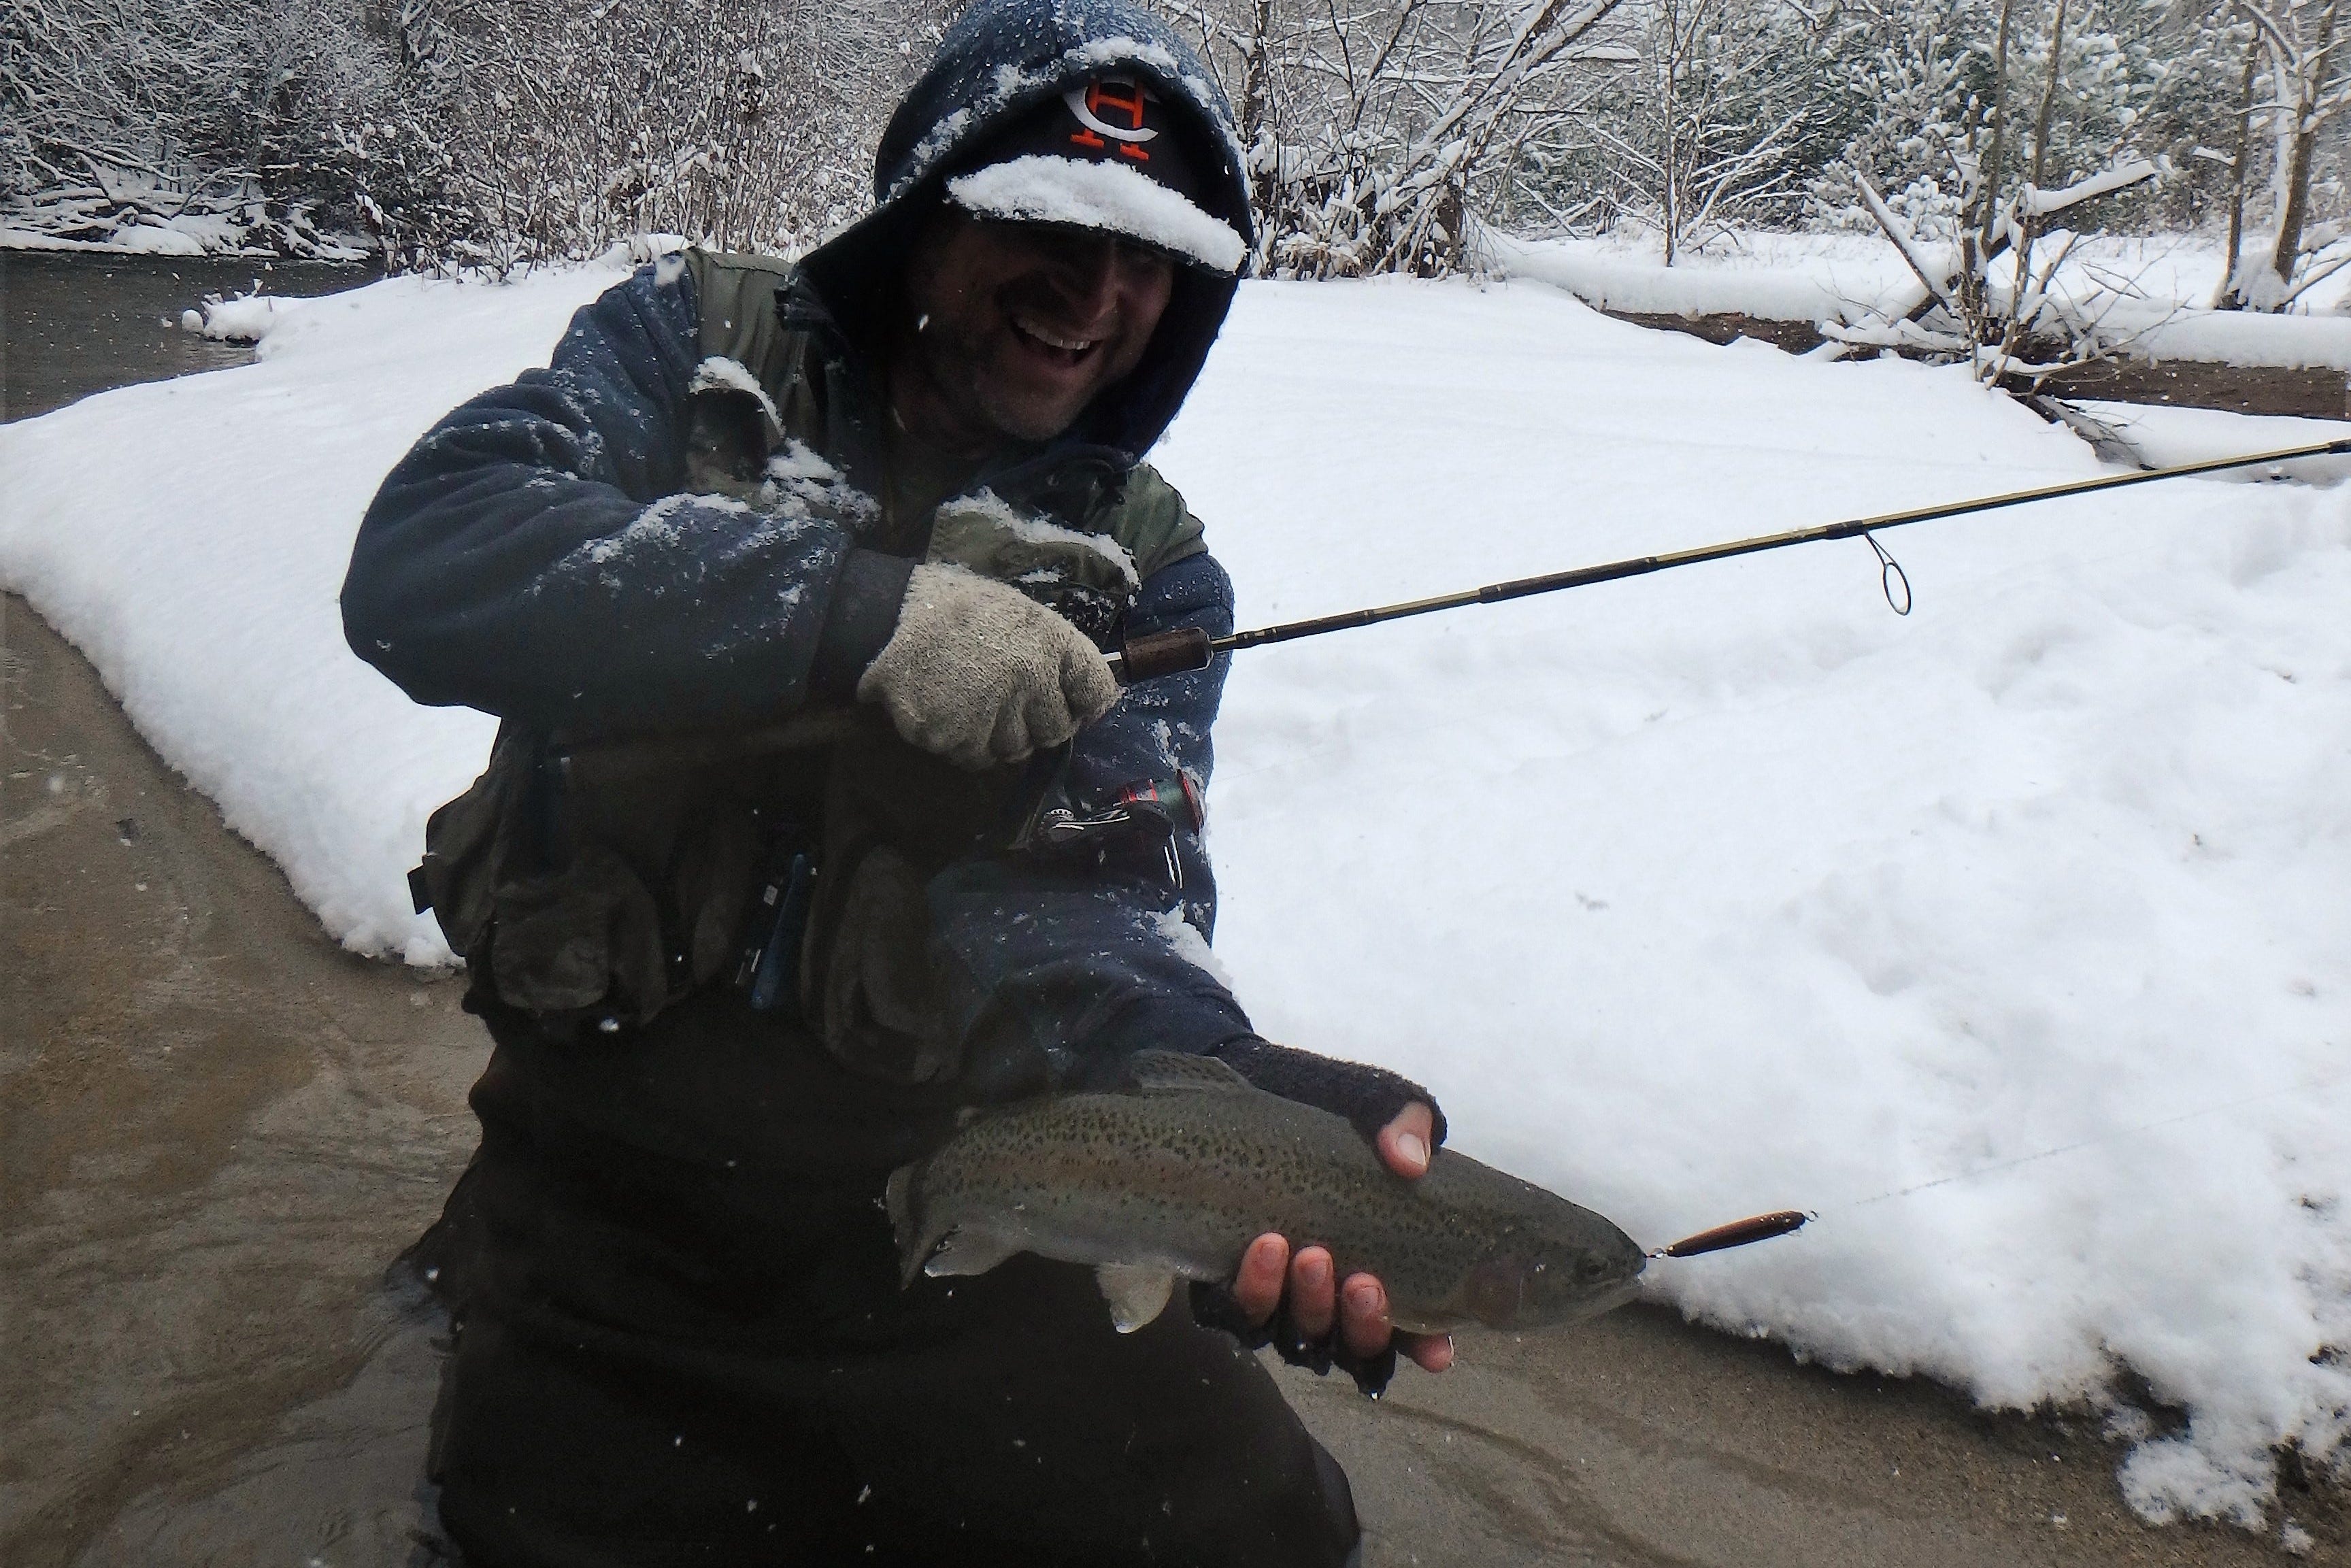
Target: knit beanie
<point x="1107" y="156"/>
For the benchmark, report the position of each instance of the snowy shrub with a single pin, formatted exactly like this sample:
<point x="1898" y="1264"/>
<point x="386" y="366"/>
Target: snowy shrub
<point x="186" y="124"/>
<point x="443" y="132"/>
<point x="1379" y="138"/>
<point x="1721" y="120"/>
<point x="576" y="125"/>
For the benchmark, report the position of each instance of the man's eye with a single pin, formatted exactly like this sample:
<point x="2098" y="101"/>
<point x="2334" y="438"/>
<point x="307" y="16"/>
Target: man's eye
<point x="1138" y="257"/>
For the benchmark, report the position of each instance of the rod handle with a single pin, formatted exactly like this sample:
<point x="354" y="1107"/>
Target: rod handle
<point x="1155" y="653"/>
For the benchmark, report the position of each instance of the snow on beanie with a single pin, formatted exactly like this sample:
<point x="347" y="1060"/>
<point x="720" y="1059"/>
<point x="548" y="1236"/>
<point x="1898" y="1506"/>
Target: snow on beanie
<point x="1104" y="155"/>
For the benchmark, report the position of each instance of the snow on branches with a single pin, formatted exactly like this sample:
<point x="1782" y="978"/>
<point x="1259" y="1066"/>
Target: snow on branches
<point x="1379" y="136"/>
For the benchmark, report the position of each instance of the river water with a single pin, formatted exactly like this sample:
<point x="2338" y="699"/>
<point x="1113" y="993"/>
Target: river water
<point x="79" y="322"/>
<point x="216" y="1128"/>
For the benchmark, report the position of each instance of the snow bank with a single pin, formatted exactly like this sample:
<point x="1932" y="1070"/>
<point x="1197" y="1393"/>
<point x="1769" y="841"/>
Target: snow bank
<point x="2010" y="936"/>
<point x="239" y="318"/>
<point x="1834" y="277"/>
<point x="2164" y="436"/>
<point x="1609" y="279"/>
<point x="1728" y="891"/>
<point x="190" y="535"/>
<point x="188" y="235"/>
<point x="2148" y="292"/>
<point x="2240" y="338"/>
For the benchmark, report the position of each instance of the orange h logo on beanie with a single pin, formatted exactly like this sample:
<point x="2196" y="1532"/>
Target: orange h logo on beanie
<point x="1104" y="98"/>
<point x="1111" y="154"/>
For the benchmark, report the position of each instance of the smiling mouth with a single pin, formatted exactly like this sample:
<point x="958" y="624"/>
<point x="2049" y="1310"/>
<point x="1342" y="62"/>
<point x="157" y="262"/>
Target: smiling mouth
<point x="1059" y="347"/>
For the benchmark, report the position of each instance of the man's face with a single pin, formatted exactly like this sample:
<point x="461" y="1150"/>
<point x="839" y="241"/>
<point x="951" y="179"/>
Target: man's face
<point x="1020" y="326"/>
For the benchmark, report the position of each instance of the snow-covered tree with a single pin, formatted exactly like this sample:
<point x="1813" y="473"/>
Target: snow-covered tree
<point x="576" y="123"/>
<point x="1719" y="123"/>
<point x="2295" y="86"/>
<point x="225" y="121"/>
<point x="1911" y="78"/>
<point x="1379" y="136"/>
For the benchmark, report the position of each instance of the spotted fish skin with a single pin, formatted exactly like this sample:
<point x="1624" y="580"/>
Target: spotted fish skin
<point x="1175" y="1178"/>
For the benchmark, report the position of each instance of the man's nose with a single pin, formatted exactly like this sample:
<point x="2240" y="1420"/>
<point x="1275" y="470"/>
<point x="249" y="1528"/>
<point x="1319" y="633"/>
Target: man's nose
<point x="1085" y="273"/>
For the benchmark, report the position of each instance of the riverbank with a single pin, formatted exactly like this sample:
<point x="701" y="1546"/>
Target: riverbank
<point x="220" y="1127"/>
<point x="1901" y="893"/>
<point x="2149" y="295"/>
<point x="73" y="323"/>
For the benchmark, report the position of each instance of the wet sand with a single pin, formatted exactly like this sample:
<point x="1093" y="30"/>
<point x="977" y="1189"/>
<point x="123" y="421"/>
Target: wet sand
<point x="216" y="1128"/>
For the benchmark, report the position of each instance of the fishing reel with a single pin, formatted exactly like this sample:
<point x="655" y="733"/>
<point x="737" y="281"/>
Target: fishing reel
<point x="1136" y="821"/>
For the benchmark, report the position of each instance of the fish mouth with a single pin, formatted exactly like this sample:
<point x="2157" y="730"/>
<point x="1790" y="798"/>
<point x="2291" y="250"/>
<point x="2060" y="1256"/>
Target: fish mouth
<point x="1610" y="1300"/>
<point x="1583" y="1310"/>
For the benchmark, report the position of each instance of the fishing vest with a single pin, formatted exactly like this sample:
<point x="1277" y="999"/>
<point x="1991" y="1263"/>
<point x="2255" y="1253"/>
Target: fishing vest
<point x="591" y="882"/>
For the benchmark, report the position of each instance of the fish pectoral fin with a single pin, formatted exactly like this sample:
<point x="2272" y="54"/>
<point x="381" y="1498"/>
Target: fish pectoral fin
<point x="1136" y="1293"/>
<point x="972" y="1249"/>
<point x="1174" y="1072"/>
<point x="898" y="1199"/>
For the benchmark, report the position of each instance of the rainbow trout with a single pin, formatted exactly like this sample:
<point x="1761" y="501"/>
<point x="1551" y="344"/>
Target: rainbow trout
<point x="1176" y="1175"/>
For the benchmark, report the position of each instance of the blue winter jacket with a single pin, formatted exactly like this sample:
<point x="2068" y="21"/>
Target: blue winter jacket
<point x="534" y="556"/>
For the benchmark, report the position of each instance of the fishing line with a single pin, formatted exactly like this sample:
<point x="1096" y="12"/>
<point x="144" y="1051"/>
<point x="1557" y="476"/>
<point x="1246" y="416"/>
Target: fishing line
<point x="1783" y="1222"/>
<point x="2314" y="1086"/>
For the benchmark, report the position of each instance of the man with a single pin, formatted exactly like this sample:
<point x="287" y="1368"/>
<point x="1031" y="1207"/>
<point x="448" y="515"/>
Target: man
<point x="818" y="817"/>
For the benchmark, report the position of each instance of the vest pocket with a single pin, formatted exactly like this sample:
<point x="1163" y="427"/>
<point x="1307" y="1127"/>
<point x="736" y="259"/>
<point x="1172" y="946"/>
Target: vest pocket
<point x="470" y="842"/>
<point x="876" y="1000"/>
<point x="585" y="937"/>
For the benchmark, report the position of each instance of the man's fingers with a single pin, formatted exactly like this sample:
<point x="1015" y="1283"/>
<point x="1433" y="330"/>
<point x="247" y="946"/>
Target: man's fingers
<point x="1312" y="1302"/>
<point x="1405" y="1142"/>
<point x="1429" y="1351"/>
<point x="1087" y="684"/>
<point x="1257" y="1287"/>
<point x="1364" y="1315"/>
<point x="1359" y="1307"/>
<point x="980" y="673"/>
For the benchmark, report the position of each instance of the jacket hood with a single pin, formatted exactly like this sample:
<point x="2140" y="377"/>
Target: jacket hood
<point x="999" y="60"/>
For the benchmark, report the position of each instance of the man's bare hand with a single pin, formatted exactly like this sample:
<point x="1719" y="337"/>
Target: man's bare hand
<point x="1359" y="1305"/>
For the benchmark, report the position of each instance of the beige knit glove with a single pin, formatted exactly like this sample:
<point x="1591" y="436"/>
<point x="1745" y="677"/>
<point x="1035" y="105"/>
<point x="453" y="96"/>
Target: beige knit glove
<point x="982" y="674"/>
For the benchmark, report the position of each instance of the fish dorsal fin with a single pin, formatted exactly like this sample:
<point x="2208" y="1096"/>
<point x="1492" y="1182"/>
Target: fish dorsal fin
<point x="1174" y="1072"/>
<point x="1136" y="1293"/>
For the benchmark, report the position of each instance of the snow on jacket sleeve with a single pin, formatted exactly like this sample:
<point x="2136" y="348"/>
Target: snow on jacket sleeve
<point x="1082" y="964"/>
<point x="528" y="556"/>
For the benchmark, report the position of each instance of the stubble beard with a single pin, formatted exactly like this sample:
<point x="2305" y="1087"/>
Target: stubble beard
<point x="964" y="378"/>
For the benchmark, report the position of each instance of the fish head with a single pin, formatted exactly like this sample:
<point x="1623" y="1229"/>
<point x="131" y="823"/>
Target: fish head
<point x="1563" y="1277"/>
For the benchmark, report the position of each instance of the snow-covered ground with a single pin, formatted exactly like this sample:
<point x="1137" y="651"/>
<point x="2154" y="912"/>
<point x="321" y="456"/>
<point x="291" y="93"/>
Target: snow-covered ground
<point x="144" y="239"/>
<point x="2011" y="937"/>
<point x="188" y="236"/>
<point x="2152" y="292"/>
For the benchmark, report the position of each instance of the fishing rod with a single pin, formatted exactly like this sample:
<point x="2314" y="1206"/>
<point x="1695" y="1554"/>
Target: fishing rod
<point x="1185" y="648"/>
